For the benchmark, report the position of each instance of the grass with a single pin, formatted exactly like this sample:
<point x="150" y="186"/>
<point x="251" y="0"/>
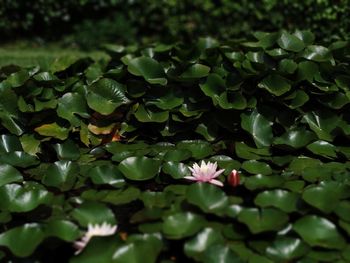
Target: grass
<point x="28" y="54"/>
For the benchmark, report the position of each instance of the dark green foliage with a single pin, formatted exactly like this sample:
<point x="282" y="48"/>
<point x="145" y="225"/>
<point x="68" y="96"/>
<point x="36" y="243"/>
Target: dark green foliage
<point x="89" y="142"/>
<point x="93" y="22"/>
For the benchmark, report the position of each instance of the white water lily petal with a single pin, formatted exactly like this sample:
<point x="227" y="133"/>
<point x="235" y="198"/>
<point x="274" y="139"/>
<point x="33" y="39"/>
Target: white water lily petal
<point x="206" y="172"/>
<point x="104" y="229"/>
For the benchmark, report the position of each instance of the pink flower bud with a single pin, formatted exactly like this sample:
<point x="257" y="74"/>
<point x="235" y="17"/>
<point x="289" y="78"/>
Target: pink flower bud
<point x="233" y="178"/>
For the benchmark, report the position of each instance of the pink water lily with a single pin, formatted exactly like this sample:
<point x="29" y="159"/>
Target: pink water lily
<point x="205" y="173"/>
<point x="104" y="229"/>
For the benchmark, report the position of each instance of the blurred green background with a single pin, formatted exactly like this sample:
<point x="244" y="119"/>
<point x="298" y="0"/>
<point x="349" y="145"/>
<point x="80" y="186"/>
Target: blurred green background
<point x="39" y="31"/>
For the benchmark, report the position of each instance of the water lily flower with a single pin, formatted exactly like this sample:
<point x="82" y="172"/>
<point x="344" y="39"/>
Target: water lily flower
<point x="233" y="178"/>
<point x="104" y="229"/>
<point x="205" y="173"/>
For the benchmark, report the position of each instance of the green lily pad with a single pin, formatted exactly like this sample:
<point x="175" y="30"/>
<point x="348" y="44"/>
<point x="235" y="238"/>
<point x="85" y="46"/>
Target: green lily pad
<point x="290" y="42"/>
<point x="182" y="224"/>
<point x="317" y="53"/>
<point x="115" y="197"/>
<point x="93" y="213"/>
<point x="266" y="219"/>
<point x="319" y="231"/>
<point x="343" y="210"/>
<point x="296" y="138"/>
<point x="281" y="199"/>
<point x="199" y="244"/>
<point x="106" y="174"/>
<point x="136" y="247"/>
<point x="17" y="198"/>
<point x="275" y="84"/>
<point x="99" y="249"/>
<point x="53" y="130"/>
<point x="61" y="174"/>
<point x="246" y="152"/>
<point x="177" y="155"/>
<point x="67" y="150"/>
<point x="208" y="197"/>
<point x="324" y="196"/>
<point x="156" y="199"/>
<point x="139" y="168"/>
<point x="70" y="105"/>
<point x="199" y="149"/>
<point x="149" y="69"/>
<point x="322" y="123"/>
<point x="144" y="114"/>
<point x="287" y="249"/>
<point x="176" y="170"/>
<point x="256" y="167"/>
<point x="62" y="229"/>
<point x="105" y="95"/>
<point x="323" y="148"/>
<point x="30" y="144"/>
<point x="23" y="240"/>
<point x="220" y="253"/>
<point x="260" y="181"/>
<point x="259" y="127"/>
<point x="9" y="174"/>
<point x="195" y="71"/>
<point x="19" y="159"/>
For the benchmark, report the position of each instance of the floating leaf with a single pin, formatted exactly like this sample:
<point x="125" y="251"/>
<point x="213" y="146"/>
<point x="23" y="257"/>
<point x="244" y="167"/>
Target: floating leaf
<point x="324" y="196"/>
<point x="266" y="219"/>
<point x="146" y="115"/>
<point x="290" y="42"/>
<point x="287" y="248"/>
<point x="105" y="95"/>
<point x="195" y="71"/>
<point x="106" y="174"/>
<point x="281" y="199"/>
<point x="8" y="174"/>
<point x="256" y="167"/>
<point x="319" y="231"/>
<point x="62" y="229"/>
<point x="139" y="168"/>
<point x="149" y="69"/>
<point x="61" y="174"/>
<point x="176" y="170"/>
<point x="93" y="213"/>
<point x="17" y="198"/>
<point x="70" y="105"/>
<point x="137" y="247"/>
<point x="201" y="242"/>
<point x="199" y="149"/>
<point x="323" y="148"/>
<point x="275" y="84"/>
<point x="317" y="53"/>
<point x="209" y="198"/>
<point x="182" y="224"/>
<point x="259" y="127"/>
<point x="23" y="240"/>
<point x="53" y="130"/>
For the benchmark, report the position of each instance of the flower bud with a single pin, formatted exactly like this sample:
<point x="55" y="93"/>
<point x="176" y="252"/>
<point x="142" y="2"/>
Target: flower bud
<point x="233" y="178"/>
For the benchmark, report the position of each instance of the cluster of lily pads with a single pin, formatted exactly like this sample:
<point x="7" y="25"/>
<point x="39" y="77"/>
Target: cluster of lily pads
<point x="91" y="145"/>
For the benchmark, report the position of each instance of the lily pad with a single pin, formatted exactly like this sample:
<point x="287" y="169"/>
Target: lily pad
<point x="23" y="240"/>
<point x="139" y="168"/>
<point x="182" y="224"/>
<point x="319" y="231"/>
<point x="266" y="219"/>
<point x="208" y="197"/>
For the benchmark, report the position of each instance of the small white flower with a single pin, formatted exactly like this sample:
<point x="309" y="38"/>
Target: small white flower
<point x="205" y="173"/>
<point x="104" y="229"/>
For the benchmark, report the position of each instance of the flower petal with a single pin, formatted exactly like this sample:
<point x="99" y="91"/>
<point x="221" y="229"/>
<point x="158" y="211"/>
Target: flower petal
<point x="193" y="178"/>
<point x="216" y="182"/>
<point x="218" y="173"/>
